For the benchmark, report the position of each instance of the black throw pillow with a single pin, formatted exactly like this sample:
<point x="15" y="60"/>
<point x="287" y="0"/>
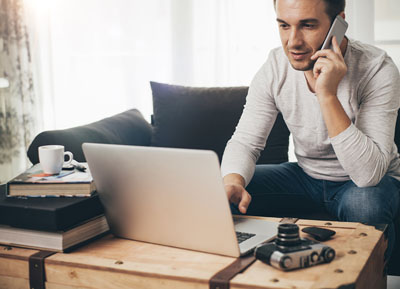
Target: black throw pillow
<point x="126" y="128"/>
<point x="205" y="118"/>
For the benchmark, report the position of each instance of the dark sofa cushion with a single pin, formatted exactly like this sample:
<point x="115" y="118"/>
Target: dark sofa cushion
<point x="128" y="128"/>
<point x="397" y="132"/>
<point x="205" y="118"/>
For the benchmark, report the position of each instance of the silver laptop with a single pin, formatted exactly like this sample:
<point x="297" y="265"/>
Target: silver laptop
<point x="173" y="197"/>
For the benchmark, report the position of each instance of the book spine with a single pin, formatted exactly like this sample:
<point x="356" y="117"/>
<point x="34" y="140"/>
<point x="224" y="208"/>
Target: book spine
<point x="28" y="218"/>
<point x="71" y="215"/>
<point x="7" y="189"/>
<point x="51" y="219"/>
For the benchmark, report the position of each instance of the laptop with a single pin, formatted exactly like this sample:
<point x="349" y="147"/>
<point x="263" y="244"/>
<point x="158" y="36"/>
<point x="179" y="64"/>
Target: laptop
<point x="172" y="197"/>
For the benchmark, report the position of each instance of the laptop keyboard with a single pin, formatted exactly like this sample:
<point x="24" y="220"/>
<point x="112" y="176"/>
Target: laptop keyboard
<point x="241" y="237"/>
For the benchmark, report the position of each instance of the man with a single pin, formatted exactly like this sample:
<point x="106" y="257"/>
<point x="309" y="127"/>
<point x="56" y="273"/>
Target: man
<point x="340" y="106"/>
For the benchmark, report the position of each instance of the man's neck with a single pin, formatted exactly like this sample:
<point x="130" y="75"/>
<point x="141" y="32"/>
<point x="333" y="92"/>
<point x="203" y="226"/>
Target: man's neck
<point x="309" y="73"/>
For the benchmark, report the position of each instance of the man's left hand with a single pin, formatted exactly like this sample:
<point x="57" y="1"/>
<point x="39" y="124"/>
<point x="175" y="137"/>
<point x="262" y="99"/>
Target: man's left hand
<point x="329" y="70"/>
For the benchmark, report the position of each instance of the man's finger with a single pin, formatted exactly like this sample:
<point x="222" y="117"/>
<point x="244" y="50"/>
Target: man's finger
<point x="233" y="194"/>
<point x="229" y="194"/>
<point x="335" y="45"/>
<point x="244" y="203"/>
<point x="230" y="191"/>
<point x="318" y="67"/>
<point x="322" y="53"/>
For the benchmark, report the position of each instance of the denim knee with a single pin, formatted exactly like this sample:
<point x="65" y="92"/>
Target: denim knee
<point x="378" y="204"/>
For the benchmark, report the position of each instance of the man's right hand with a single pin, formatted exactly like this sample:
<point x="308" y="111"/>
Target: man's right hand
<point x="234" y="187"/>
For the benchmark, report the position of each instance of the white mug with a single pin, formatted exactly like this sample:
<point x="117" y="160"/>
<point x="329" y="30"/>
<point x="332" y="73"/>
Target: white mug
<point x="51" y="158"/>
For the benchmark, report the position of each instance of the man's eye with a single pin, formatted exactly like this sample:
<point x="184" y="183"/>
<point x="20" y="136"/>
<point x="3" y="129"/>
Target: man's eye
<point x="309" y="26"/>
<point x="284" y="26"/>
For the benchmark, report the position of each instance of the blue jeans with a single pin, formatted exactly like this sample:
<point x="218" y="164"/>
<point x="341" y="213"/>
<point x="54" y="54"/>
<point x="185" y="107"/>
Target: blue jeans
<point x="279" y="187"/>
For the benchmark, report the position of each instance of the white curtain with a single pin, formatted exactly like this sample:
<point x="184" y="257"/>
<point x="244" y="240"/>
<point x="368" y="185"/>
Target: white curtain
<point x="96" y="57"/>
<point x="19" y="106"/>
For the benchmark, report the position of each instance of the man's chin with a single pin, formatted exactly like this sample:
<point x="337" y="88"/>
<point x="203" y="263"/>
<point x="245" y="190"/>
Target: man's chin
<point x="302" y="66"/>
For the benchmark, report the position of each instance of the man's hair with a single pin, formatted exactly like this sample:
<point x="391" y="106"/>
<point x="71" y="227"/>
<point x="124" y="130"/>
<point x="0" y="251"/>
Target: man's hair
<point x="332" y="7"/>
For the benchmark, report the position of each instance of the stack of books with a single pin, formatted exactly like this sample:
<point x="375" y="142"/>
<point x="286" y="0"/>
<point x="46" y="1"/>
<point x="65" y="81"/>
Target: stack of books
<point x="69" y="183"/>
<point x="50" y="212"/>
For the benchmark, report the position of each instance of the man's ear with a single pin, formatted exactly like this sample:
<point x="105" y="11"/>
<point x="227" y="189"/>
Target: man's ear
<point x="342" y="14"/>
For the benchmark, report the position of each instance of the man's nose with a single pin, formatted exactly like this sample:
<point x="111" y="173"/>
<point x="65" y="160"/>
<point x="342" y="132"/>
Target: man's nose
<point x="295" y="38"/>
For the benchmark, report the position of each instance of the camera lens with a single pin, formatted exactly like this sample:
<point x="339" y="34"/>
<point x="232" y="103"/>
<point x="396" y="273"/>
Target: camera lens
<point x="328" y="254"/>
<point x="288" y="235"/>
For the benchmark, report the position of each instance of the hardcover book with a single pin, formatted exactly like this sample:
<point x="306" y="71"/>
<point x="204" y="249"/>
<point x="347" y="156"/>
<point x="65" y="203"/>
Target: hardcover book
<point x="49" y="214"/>
<point x="35" y="183"/>
<point x="54" y="241"/>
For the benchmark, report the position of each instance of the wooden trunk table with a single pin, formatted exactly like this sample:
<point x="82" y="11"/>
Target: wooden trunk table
<point x="112" y="262"/>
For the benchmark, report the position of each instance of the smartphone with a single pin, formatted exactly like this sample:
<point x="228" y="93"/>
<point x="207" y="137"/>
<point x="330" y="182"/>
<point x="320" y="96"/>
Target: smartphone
<point x="338" y="29"/>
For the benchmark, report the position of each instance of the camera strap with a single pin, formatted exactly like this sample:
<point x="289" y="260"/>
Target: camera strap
<point x="222" y="278"/>
<point x="289" y="220"/>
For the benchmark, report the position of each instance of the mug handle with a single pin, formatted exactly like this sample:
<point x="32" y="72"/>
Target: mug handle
<point x="71" y="157"/>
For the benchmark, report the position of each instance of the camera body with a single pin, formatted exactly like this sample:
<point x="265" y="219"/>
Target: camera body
<point x="290" y="252"/>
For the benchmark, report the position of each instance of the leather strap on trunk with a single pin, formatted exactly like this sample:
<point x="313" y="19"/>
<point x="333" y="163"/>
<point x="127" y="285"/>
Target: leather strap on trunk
<point x="222" y="278"/>
<point x="36" y="269"/>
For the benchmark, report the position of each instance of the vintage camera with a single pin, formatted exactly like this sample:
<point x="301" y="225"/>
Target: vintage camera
<point x="291" y="252"/>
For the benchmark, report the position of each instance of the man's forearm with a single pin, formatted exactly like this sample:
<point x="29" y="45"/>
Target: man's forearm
<point x="336" y="119"/>
<point x="364" y="151"/>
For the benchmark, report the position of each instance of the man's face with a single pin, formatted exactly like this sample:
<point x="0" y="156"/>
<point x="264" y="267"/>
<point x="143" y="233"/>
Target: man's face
<point x="303" y="25"/>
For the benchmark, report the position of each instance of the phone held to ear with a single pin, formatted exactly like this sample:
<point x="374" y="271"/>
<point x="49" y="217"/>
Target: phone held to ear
<point x="338" y="29"/>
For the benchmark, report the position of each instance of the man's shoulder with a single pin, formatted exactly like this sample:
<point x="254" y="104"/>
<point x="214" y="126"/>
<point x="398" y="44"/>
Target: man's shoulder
<point x="366" y="54"/>
<point x="277" y="61"/>
<point x="361" y="47"/>
<point x="366" y="59"/>
<point x="366" y="63"/>
<point x="277" y="54"/>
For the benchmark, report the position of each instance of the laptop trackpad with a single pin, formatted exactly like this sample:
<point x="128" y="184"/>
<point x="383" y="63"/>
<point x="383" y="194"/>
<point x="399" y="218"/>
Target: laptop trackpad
<point x="264" y="231"/>
<point x="256" y="226"/>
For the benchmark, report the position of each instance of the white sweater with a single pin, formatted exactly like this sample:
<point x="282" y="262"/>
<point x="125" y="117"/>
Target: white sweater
<point x="369" y="94"/>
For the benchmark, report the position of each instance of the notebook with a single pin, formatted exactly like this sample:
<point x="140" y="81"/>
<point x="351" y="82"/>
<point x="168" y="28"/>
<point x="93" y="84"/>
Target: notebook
<point x="172" y="197"/>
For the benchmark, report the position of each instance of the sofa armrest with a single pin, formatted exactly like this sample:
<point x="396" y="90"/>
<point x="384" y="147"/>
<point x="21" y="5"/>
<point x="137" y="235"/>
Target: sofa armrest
<point x="126" y="128"/>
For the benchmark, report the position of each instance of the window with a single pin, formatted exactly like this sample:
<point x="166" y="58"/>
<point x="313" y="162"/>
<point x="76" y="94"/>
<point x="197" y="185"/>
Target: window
<point x="387" y="27"/>
<point x="97" y="57"/>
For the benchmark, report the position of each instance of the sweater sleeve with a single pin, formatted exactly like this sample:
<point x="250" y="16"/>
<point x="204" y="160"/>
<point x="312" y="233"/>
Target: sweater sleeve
<point x="249" y="139"/>
<point x="365" y="148"/>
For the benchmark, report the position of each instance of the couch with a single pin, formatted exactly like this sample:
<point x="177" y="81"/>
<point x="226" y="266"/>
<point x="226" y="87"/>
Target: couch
<point x="196" y="118"/>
